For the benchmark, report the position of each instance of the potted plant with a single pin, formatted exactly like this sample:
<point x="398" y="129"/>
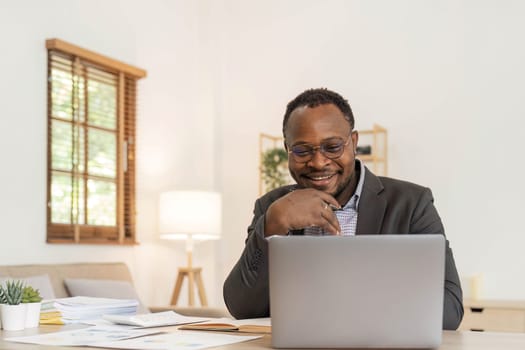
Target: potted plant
<point x="31" y="297"/>
<point x="12" y="310"/>
<point x="274" y="168"/>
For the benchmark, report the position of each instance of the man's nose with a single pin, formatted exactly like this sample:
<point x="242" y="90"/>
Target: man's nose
<point x="319" y="160"/>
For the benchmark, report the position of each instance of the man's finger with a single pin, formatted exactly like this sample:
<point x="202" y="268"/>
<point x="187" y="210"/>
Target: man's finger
<point x="331" y="201"/>
<point x="331" y="224"/>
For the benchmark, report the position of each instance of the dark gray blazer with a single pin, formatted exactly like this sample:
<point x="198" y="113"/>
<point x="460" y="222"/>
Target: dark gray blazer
<point x="386" y="206"/>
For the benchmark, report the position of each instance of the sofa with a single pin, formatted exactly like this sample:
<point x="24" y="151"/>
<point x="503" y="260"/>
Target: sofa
<point x="110" y="280"/>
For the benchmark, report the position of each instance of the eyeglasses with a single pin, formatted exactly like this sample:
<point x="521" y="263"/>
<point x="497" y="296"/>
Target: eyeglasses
<point x="331" y="149"/>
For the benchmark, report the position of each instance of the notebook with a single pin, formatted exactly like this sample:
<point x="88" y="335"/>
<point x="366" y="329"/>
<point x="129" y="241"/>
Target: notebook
<point x="357" y="291"/>
<point x="253" y="325"/>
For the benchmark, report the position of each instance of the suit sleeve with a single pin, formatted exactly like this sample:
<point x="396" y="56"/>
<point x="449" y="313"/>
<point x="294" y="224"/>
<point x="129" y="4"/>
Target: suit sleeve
<point x="426" y="220"/>
<point x="245" y="290"/>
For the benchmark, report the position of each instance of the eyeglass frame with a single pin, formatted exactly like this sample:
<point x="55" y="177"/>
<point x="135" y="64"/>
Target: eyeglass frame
<point x="320" y="147"/>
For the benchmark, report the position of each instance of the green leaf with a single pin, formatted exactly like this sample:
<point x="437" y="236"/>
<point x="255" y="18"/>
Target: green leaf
<point x="274" y="168"/>
<point x="30" y="295"/>
<point x="13" y="292"/>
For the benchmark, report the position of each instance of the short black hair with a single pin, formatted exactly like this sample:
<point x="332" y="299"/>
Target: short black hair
<point x="316" y="97"/>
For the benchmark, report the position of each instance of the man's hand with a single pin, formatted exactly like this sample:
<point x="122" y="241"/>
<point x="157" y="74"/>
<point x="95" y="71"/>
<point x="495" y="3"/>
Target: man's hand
<point x="300" y="209"/>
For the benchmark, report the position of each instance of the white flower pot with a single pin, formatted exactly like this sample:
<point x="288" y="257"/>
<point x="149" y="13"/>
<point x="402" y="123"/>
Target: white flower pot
<point x="32" y="314"/>
<point x="13" y="317"/>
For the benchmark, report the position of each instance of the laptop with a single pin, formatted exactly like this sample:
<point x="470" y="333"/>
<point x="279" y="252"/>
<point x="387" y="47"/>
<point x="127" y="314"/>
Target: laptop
<point x="371" y="291"/>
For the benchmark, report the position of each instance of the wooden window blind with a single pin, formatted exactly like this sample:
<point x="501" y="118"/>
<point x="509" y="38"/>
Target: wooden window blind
<point x="91" y="146"/>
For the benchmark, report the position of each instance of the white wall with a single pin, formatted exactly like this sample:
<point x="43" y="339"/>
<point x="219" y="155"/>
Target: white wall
<point x="159" y="36"/>
<point x="445" y="78"/>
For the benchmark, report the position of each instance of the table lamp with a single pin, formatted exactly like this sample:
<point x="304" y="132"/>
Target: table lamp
<point x="189" y="216"/>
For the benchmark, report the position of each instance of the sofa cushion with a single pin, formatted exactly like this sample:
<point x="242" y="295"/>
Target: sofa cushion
<point x="103" y="289"/>
<point x="40" y="282"/>
<point x="58" y="272"/>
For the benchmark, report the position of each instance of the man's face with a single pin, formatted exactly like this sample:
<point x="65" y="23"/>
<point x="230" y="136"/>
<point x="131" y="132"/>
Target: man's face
<point x="322" y="125"/>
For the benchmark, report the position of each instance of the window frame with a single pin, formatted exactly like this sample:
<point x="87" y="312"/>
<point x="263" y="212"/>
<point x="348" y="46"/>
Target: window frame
<point x="127" y="76"/>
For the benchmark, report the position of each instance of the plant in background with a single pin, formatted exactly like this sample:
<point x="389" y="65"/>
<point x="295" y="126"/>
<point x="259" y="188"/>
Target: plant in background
<point x="30" y="295"/>
<point x="12" y="292"/>
<point x="2" y="295"/>
<point x="274" y="168"/>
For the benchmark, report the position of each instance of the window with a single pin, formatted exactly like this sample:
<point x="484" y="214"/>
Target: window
<point x="91" y="146"/>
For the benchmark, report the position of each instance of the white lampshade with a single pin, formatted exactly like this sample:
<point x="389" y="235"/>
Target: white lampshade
<point x="190" y="213"/>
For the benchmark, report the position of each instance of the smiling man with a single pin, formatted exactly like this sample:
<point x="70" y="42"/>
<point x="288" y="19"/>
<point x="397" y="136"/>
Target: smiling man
<point x="335" y="194"/>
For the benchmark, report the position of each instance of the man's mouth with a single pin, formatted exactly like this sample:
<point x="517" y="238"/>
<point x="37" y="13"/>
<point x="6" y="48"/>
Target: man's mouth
<point x="319" y="180"/>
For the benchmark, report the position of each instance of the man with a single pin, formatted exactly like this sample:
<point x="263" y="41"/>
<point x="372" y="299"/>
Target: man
<point x="335" y="194"/>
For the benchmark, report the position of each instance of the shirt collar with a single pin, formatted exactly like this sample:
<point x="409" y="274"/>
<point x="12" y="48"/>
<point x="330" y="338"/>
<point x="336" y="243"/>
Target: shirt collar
<point x="353" y="202"/>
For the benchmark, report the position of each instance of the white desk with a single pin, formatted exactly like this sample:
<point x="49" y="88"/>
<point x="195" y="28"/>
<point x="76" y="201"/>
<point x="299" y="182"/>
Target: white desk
<point x="451" y="341"/>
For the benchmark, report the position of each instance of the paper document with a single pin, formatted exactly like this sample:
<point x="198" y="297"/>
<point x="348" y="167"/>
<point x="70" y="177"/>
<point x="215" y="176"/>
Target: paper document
<point x="157" y="319"/>
<point x="178" y="340"/>
<point x="82" y="337"/>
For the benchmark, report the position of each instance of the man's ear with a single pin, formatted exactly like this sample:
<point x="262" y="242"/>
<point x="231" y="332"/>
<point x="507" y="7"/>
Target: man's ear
<point x="355" y="138"/>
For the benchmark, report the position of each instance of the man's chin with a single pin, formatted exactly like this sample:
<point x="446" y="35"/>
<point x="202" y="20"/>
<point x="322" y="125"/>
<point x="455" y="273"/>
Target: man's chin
<point x="330" y="189"/>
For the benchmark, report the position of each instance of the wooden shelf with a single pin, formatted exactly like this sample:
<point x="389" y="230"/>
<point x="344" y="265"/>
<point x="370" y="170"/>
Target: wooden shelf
<point x="370" y="158"/>
<point x="376" y="138"/>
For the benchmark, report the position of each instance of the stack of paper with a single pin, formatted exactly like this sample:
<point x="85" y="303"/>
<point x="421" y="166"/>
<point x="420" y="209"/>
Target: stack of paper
<point x="81" y="309"/>
<point x="50" y="316"/>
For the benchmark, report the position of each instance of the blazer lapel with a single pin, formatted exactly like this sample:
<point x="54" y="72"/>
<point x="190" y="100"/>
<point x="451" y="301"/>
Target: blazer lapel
<point x="372" y="206"/>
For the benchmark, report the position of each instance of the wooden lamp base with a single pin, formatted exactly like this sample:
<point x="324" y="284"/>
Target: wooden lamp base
<point x="194" y="277"/>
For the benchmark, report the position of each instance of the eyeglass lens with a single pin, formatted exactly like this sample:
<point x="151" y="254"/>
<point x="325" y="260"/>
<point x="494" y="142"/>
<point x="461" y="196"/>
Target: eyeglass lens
<point x="330" y="149"/>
